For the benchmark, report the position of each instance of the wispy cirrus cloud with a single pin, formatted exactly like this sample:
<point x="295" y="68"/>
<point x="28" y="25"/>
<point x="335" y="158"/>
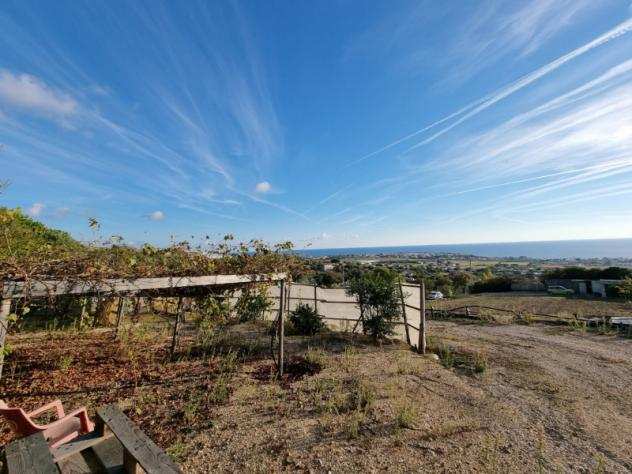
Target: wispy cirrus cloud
<point x="165" y="134"/>
<point x="575" y="140"/>
<point x="496" y="30"/>
<point x="475" y="35"/>
<point x="480" y="105"/>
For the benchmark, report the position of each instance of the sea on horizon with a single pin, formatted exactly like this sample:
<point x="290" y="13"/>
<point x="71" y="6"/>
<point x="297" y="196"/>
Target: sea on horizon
<point x="553" y="249"/>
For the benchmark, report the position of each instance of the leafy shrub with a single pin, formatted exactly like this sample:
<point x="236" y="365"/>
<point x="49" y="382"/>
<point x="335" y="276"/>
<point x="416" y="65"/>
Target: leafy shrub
<point x="624" y="289"/>
<point x="378" y="296"/>
<point x="306" y="320"/>
<point x="491" y="285"/>
<point x="327" y="279"/>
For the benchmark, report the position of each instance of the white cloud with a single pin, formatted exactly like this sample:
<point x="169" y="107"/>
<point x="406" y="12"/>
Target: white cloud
<point x="263" y="187"/>
<point x="36" y="209"/>
<point x="157" y="216"/>
<point x="28" y="92"/>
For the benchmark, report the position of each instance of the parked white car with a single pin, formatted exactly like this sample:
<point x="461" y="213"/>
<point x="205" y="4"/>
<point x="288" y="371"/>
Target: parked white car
<point x="435" y="295"/>
<point x="559" y="290"/>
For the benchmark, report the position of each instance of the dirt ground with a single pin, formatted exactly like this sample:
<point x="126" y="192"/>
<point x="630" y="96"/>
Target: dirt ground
<point x="548" y="400"/>
<point x="502" y="398"/>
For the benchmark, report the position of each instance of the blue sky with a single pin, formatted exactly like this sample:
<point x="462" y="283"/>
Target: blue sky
<point x="333" y="123"/>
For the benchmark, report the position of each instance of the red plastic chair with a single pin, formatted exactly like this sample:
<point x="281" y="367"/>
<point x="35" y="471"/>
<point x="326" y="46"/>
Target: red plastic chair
<point x="65" y="428"/>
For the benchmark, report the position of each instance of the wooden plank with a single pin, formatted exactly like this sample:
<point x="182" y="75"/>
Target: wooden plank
<point x="401" y="295"/>
<point x="30" y="455"/>
<point x="146" y="453"/>
<point x="84" y="311"/>
<point x="421" y="343"/>
<point x="80" y="463"/>
<point x="281" y="326"/>
<point x="119" y="314"/>
<point x="14" y="289"/>
<point x="5" y="310"/>
<point x="79" y="444"/>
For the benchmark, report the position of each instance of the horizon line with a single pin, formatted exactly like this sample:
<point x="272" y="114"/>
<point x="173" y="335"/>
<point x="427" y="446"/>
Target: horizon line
<point x="463" y="243"/>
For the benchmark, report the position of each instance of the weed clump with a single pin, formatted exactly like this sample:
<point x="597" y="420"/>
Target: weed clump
<point x="406" y="415"/>
<point x="470" y="362"/>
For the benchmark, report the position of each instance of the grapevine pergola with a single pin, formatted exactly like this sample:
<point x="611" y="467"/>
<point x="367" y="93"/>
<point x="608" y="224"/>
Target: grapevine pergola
<point x="166" y="286"/>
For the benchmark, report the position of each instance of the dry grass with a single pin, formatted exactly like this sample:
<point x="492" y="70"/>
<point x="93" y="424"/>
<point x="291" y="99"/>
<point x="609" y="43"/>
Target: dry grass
<point x="501" y="399"/>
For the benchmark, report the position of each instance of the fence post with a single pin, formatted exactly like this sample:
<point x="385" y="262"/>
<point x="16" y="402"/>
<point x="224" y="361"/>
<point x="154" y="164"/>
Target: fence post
<point x="421" y="344"/>
<point x="316" y="299"/>
<point x="174" y="338"/>
<point x="401" y="295"/>
<point x="281" y="327"/>
<point x="119" y="314"/>
<point x="84" y="311"/>
<point x="5" y="310"/>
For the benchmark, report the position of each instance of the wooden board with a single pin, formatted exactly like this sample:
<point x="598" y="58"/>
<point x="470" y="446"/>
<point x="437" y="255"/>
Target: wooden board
<point x="29" y="455"/>
<point x="142" y="449"/>
<point x="13" y="289"/>
<point x="78" y="444"/>
<point x="109" y="455"/>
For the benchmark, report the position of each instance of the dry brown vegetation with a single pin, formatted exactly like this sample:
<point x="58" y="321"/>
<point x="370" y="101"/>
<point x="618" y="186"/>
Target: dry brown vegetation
<point x="501" y="398"/>
<point x="565" y="307"/>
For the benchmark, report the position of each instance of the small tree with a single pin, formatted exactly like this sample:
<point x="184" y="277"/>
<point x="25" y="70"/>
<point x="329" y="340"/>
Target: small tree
<point x="378" y="296"/>
<point x="327" y="279"/>
<point x="625" y="289"/>
<point x="462" y="280"/>
<point x="306" y="320"/>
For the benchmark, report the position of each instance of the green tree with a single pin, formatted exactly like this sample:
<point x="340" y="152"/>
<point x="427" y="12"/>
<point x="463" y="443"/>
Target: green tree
<point x="462" y="280"/>
<point x="625" y="289"/>
<point x="487" y="274"/>
<point x="306" y="320"/>
<point x="443" y="283"/>
<point x="327" y="279"/>
<point x="378" y="296"/>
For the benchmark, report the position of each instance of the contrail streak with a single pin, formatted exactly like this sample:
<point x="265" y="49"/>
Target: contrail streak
<point x="489" y="100"/>
<point x="426" y="128"/>
<point x="614" y="33"/>
<point x="328" y="198"/>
